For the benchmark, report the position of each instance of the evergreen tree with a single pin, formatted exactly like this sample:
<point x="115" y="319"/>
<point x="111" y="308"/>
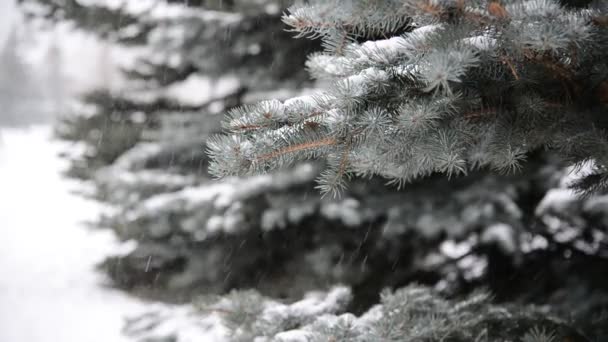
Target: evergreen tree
<point x="454" y="87"/>
<point x="145" y="142"/>
<point x="407" y="90"/>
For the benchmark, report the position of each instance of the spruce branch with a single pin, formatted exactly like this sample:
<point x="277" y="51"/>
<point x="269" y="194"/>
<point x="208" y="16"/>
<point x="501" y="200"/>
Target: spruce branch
<point x="462" y="85"/>
<point x="309" y="145"/>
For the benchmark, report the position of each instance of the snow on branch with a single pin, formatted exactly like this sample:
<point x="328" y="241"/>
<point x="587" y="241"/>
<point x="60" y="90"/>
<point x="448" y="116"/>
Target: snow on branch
<point x="420" y="87"/>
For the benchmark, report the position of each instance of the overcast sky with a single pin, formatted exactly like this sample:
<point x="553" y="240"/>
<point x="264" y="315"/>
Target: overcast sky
<point x="86" y="63"/>
<point x="7" y="15"/>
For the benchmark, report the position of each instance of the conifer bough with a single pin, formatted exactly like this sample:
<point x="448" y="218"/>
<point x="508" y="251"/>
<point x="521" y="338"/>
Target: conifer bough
<point x="426" y="86"/>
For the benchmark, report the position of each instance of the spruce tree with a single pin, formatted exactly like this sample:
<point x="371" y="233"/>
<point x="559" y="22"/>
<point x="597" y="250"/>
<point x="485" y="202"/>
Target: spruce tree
<point x="144" y="143"/>
<point x="420" y="88"/>
<point x="435" y="96"/>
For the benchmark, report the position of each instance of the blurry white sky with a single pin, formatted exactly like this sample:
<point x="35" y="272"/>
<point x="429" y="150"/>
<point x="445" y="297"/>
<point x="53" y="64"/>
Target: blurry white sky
<point x="7" y="14"/>
<point x="85" y="61"/>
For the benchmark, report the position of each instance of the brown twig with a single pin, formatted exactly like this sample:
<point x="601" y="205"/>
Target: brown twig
<point x="480" y="113"/>
<point x="565" y="75"/>
<point x="600" y="21"/>
<point x="497" y="10"/>
<point x="602" y="92"/>
<point x="506" y="60"/>
<point x="342" y="44"/>
<point x="298" y="147"/>
<point x="249" y="127"/>
<point x="549" y="63"/>
<point x="429" y="8"/>
<point x="343" y="161"/>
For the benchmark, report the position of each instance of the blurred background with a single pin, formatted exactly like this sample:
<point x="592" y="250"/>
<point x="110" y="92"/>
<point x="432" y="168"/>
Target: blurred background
<point x="49" y="290"/>
<point x="104" y="106"/>
<point x="112" y="230"/>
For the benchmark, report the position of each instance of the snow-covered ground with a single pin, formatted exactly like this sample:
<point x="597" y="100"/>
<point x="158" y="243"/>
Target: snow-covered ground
<point x="49" y="290"/>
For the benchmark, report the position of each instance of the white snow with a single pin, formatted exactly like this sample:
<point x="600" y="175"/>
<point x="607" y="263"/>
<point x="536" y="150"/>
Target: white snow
<point x="390" y="46"/>
<point x="481" y="42"/>
<point x="501" y="234"/>
<point x="556" y="200"/>
<point x="334" y="66"/>
<point x="455" y="250"/>
<point x="536" y="242"/>
<point x="574" y="174"/>
<point x="317" y="303"/>
<point x="223" y="198"/>
<point x="348" y="211"/>
<point x="293" y="336"/>
<point x="300" y="100"/>
<point x="596" y="205"/>
<point x="196" y="90"/>
<point x="372" y="52"/>
<point x="313" y="305"/>
<point x="49" y="290"/>
<point x="386" y="50"/>
<point x="273" y="219"/>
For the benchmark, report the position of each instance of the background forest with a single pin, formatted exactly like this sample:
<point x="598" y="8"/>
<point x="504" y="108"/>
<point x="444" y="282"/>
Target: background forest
<point x="508" y="251"/>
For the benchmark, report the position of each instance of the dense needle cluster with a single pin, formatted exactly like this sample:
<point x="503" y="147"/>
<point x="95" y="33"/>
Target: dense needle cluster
<point x="418" y="87"/>
<point x="412" y="313"/>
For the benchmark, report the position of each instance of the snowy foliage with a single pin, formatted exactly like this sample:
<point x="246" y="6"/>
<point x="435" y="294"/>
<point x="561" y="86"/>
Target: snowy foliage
<point x="251" y="317"/>
<point x="409" y="89"/>
<point x="420" y="87"/>
<point x="412" y="313"/>
<point x="174" y="323"/>
<point x="212" y="209"/>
